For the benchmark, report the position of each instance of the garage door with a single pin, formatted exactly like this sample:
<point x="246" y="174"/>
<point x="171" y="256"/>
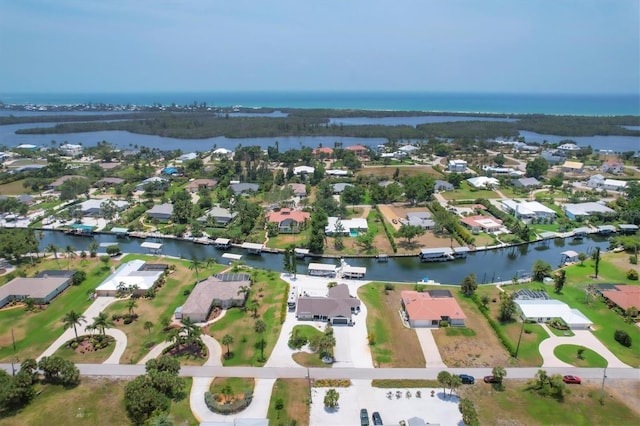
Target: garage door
<point x="339" y="321"/>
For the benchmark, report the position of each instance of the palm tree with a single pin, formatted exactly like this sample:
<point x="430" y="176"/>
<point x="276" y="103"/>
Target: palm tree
<point x="499" y="373"/>
<point x="456" y="381"/>
<point x="102" y="322"/>
<point x="131" y="305"/>
<point x="260" y="327"/>
<point x="191" y="332"/>
<point x="244" y="290"/>
<point x="71" y="253"/>
<point x="210" y="261"/>
<point x="148" y="325"/>
<point x="227" y="340"/>
<point x="72" y="319"/>
<point x="53" y="249"/>
<point x="93" y="248"/>
<point x="195" y="265"/>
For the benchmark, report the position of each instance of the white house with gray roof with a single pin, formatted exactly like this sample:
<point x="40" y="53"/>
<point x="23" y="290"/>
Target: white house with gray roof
<point x="161" y="211"/>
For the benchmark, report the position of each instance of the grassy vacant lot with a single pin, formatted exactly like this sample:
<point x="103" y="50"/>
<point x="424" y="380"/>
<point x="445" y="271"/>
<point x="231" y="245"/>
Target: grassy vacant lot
<point x="294" y="393"/>
<point x="93" y="402"/>
<point x="395" y="345"/>
<point x="475" y="345"/>
<point x="14" y="188"/>
<point x="168" y="298"/>
<point x="35" y="331"/>
<point x="569" y="354"/>
<point x="466" y="192"/>
<point x="532" y="336"/>
<point x="270" y="291"/>
<point x="518" y="406"/>
<point x="282" y="241"/>
<point x="405" y="171"/>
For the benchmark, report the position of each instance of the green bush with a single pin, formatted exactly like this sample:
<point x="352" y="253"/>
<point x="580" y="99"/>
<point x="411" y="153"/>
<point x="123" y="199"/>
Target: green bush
<point x="632" y="274"/>
<point x="444" y="323"/>
<point x="231" y="408"/>
<point x="623" y="338"/>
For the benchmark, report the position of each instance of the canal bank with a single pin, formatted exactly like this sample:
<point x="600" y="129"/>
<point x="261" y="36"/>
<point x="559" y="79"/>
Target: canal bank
<point x="495" y="265"/>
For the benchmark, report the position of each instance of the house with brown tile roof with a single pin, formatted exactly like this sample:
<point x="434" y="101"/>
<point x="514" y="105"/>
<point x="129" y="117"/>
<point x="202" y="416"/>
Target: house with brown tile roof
<point x="427" y="309"/>
<point x="625" y="296"/>
<point x="359" y="150"/>
<point x="323" y="150"/>
<point x="288" y="220"/>
<point x="221" y="290"/>
<point x="196" y="184"/>
<point x="481" y="223"/>
<point x="336" y="307"/>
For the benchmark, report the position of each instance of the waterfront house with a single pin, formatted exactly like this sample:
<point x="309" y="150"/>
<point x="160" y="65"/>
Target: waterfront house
<point x="95" y="207"/>
<point x="220" y="215"/>
<point x="187" y="157"/>
<point x="72" y="150"/>
<point x="222" y="152"/>
<point x="289" y="221"/>
<point x="323" y="151"/>
<point x="221" y="290"/>
<point x="42" y="288"/>
<point x="582" y="210"/>
<point x="527" y="210"/>
<point x="337" y="307"/>
<point x="359" y="150"/>
<point x="458" y="166"/>
<point x="430" y="308"/>
<point x="544" y="310"/>
<point x="421" y="219"/>
<point x="135" y="276"/>
<point x="162" y="212"/>
<point x="347" y="227"/>
<point x="481" y="223"/>
<point x="569" y="147"/>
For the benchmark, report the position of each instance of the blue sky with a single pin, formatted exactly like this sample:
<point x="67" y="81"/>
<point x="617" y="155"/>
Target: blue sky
<point x="502" y="46"/>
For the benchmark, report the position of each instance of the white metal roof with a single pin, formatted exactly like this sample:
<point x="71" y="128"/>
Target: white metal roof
<point x="151" y="246"/>
<point x="232" y="256"/>
<point x="322" y="267"/>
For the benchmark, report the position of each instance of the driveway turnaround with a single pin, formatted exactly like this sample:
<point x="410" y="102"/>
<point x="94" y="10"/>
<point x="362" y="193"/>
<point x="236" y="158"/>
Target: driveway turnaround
<point x="582" y="338"/>
<point x="393" y="405"/>
<point x="92" y="311"/>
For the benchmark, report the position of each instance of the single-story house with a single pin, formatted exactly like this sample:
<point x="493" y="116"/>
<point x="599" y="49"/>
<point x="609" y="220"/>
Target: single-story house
<point x="221" y="215"/>
<point x="427" y="309"/>
<point x="459" y="166"/>
<point x="408" y="149"/>
<point x="359" y="150"/>
<point x="421" y="219"/>
<point x="223" y="152"/>
<point x="42" y="288"/>
<point x="613" y="167"/>
<point x="581" y="210"/>
<point x="72" y="150"/>
<point x="154" y="181"/>
<point x="483" y="182"/>
<point x="502" y="171"/>
<point x="223" y="290"/>
<point x="599" y="182"/>
<point x="624" y="296"/>
<point x="443" y="185"/>
<point x="299" y="189"/>
<point x="289" y="221"/>
<point x="526" y="183"/>
<point x="170" y="171"/>
<point x="324" y="150"/>
<point x="539" y="310"/>
<point x="573" y="167"/>
<point x="243" y="188"/>
<point x="527" y="209"/>
<point x="161" y="211"/>
<point x="554" y="156"/>
<point x="338" y="188"/>
<point x="197" y="184"/>
<point x="336" y="308"/>
<point x="56" y="183"/>
<point x="95" y="207"/>
<point x="25" y="199"/>
<point x="303" y="170"/>
<point x="134" y="276"/>
<point x="337" y="172"/>
<point x="349" y="226"/>
<point x="481" y="223"/>
<point x="187" y="157"/>
<point x="109" y="181"/>
<point x="569" y="147"/>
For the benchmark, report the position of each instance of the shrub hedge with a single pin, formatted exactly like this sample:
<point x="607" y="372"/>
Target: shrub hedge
<point x="494" y="324"/>
<point x="231" y="408"/>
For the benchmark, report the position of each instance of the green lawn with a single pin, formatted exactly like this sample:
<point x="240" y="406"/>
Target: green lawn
<point x="168" y="298"/>
<point x="294" y="394"/>
<point x="465" y="192"/>
<point x="180" y="410"/>
<point x="34" y="332"/>
<point x="517" y="405"/>
<point x="270" y="291"/>
<point x="459" y="331"/>
<point x="239" y="385"/>
<point x="88" y="357"/>
<point x="14" y="188"/>
<point x="569" y="354"/>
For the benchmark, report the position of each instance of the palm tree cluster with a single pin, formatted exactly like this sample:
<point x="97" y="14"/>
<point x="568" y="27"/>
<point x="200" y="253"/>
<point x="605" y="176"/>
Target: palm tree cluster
<point x="189" y="336"/>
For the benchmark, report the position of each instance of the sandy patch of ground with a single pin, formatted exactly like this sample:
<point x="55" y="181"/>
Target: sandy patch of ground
<point x="361" y="394"/>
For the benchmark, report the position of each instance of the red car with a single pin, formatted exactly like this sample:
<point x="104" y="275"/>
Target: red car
<point x="490" y="379"/>
<point x="572" y="380"/>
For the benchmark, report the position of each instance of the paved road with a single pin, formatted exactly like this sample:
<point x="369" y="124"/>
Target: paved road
<point x="132" y="370"/>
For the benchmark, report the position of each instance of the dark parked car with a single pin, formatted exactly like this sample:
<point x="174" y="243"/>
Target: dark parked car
<point x="395" y="221"/>
<point x="364" y="417"/>
<point x="377" y="420"/>
<point x="491" y="379"/>
<point x="467" y="380"/>
<point x="575" y="380"/>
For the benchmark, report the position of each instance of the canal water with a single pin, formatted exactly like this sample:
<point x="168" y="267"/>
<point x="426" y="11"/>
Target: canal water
<point x="489" y="266"/>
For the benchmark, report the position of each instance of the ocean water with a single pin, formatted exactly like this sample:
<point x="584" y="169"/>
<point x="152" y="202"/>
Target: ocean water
<point x="591" y="104"/>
